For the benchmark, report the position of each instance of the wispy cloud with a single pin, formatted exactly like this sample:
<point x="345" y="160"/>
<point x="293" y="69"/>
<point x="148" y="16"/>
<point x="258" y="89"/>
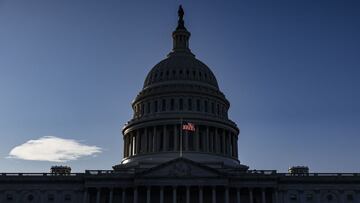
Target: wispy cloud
<point x="52" y="149"/>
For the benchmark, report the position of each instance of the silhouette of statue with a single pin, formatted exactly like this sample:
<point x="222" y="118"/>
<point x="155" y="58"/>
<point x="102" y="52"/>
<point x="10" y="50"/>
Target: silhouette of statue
<point x="180" y="13"/>
<point x="181" y="20"/>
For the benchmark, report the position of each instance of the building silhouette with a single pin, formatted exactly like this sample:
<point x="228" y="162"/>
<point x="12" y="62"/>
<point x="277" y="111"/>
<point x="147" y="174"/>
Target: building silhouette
<point x="180" y="147"/>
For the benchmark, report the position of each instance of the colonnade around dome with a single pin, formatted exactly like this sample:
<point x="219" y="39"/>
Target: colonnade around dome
<point x="166" y="138"/>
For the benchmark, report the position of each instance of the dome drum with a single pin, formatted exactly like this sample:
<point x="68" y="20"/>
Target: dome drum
<point x="161" y="137"/>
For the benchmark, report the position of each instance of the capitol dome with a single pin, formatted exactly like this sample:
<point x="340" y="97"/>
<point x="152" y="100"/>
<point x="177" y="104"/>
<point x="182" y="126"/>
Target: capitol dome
<point x="180" y="89"/>
<point x="180" y="67"/>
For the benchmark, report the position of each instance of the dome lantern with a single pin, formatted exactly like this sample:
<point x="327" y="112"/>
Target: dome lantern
<point x="181" y="36"/>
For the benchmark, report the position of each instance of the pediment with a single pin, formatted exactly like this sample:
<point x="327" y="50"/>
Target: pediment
<point x="181" y="167"/>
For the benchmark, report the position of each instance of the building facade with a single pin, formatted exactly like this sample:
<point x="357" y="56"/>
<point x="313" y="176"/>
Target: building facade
<point x="165" y="163"/>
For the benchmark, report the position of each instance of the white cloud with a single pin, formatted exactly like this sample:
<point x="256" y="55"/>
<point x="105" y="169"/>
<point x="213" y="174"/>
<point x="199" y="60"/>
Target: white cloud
<point x="53" y="149"/>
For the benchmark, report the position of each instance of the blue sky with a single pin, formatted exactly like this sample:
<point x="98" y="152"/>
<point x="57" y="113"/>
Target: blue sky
<point x="70" y="69"/>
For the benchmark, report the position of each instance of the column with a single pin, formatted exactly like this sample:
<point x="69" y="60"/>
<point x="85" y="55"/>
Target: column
<point x="231" y="140"/>
<point x="251" y="195"/>
<point x="165" y="139"/>
<point x="301" y="196"/>
<point x="227" y="143"/>
<point x="187" y="194"/>
<point x="217" y="140"/>
<point x="155" y="144"/>
<point x="200" y="194"/>
<point x="150" y="140"/>
<point x="342" y="196"/>
<point x="210" y="141"/>
<point x="98" y="192"/>
<point x="197" y="138"/>
<point x="263" y="197"/>
<point x="185" y="138"/>
<point x="137" y="142"/>
<point x="135" y="195"/>
<point x="111" y="194"/>
<point x="85" y="198"/>
<point x="174" y="195"/>
<point x="126" y="146"/>
<point x="176" y="138"/>
<point x="236" y="146"/>
<point x="130" y="144"/>
<point x="206" y="140"/>
<point x="226" y="195"/>
<point x="145" y="140"/>
<point x="238" y="197"/>
<point x="318" y="196"/>
<point x="223" y="142"/>
<point x="123" y="195"/>
<point x="148" y="194"/>
<point x="276" y="196"/>
<point x="214" y="194"/>
<point x="161" y="194"/>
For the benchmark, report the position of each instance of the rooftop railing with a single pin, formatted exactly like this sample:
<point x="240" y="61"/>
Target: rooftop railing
<point x="38" y="174"/>
<point x="111" y="172"/>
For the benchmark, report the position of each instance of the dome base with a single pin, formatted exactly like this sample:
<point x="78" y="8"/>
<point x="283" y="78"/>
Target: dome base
<point x="153" y="159"/>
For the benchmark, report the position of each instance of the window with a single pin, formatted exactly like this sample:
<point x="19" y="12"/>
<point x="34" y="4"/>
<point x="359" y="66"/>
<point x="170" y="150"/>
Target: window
<point x="163" y="106"/>
<point x="9" y="197"/>
<point x="155" y="106"/>
<point x="148" y="107"/>
<point x="206" y="106"/>
<point x="189" y="104"/>
<point x="67" y="197"/>
<point x="309" y="197"/>
<point x="198" y="105"/>
<point x="293" y="197"/>
<point x="212" y="108"/>
<point x="51" y="197"/>
<point x="329" y="197"/>
<point x="181" y="105"/>
<point x="218" y="109"/>
<point x="172" y="104"/>
<point x="349" y="197"/>
<point x="30" y="198"/>
<point x="142" y="109"/>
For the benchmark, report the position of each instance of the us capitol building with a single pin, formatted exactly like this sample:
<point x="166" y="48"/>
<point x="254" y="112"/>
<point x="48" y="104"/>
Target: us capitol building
<point x="167" y="163"/>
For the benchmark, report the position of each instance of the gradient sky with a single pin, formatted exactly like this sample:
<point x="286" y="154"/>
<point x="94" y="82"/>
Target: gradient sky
<point x="290" y="69"/>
